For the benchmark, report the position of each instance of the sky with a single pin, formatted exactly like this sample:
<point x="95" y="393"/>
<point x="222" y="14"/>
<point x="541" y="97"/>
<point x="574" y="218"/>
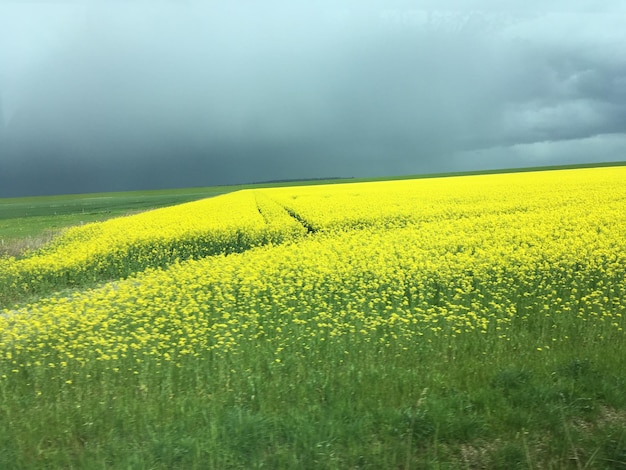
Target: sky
<point x="110" y="96"/>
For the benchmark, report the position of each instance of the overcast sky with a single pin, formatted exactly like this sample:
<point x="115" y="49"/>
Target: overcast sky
<point x="101" y="96"/>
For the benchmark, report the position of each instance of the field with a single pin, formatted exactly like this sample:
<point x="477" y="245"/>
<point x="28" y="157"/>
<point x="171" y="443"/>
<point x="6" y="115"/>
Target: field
<point x="457" y="322"/>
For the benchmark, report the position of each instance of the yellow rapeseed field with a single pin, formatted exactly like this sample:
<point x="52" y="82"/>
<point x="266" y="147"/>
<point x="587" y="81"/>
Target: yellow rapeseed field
<point x="388" y="264"/>
<point x="117" y="247"/>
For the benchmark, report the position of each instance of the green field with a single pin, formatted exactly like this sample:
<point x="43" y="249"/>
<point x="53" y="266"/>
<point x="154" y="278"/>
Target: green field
<point x="470" y="321"/>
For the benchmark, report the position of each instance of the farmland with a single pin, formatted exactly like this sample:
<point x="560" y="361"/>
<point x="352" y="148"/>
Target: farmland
<point x="458" y="322"/>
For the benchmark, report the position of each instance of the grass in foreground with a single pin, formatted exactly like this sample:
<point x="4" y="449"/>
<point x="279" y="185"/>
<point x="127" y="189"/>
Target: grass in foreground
<point x="395" y="408"/>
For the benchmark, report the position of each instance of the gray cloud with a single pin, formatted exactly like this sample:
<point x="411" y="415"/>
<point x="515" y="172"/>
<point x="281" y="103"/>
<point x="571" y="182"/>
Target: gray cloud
<point x="121" y="96"/>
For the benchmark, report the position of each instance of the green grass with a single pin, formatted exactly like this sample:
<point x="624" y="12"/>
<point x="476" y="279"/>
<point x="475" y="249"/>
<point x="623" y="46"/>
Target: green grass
<point x="390" y="408"/>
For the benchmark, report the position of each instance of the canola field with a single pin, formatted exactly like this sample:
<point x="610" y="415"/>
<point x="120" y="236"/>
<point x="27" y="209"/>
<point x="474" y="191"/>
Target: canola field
<point x="289" y="304"/>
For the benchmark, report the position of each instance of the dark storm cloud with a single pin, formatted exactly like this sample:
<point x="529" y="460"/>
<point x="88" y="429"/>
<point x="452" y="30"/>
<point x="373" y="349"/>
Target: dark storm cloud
<point x="120" y="96"/>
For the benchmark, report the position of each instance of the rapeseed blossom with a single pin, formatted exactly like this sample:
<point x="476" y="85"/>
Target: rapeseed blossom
<point x="390" y="264"/>
<point x="118" y="247"/>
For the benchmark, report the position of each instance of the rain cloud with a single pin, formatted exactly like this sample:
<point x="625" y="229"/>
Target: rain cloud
<point x="143" y="95"/>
